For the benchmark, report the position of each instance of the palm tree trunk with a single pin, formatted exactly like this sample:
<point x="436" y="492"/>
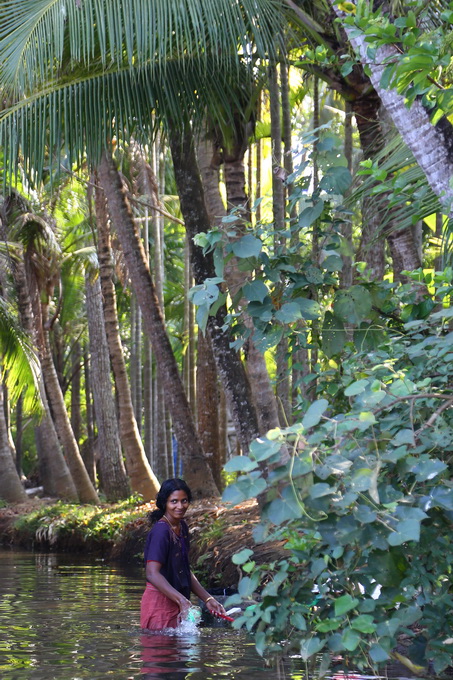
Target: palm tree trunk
<point x="84" y="486"/>
<point x="258" y="163"/>
<point x="134" y="366"/>
<point x="197" y="471"/>
<point x="147" y="184"/>
<point x="208" y="405"/>
<point x="11" y="489"/>
<point x="223" y="450"/>
<point x="137" y="350"/>
<point x="113" y="474"/>
<point x="263" y="396"/>
<point x="160" y="453"/>
<point x="229" y="366"/>
<point x="142" y="478"/>
<point x="278" y="208"/>
<point x="54" y="471"/>
<point x="147" y="398"/>
<point x="88" y="448"/>
<point x="76" y="356"/>
<point x="19" y="433"/>
<point x="162" y="448"/>
<point x="346" y="227"/>
<point x="430" y="144"/>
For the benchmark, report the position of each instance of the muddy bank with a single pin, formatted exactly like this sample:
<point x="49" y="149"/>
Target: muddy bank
<point x="117" y="533"/>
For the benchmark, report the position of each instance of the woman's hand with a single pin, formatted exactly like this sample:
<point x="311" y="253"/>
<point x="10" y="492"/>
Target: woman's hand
<point x="184" y="605"/>
<point x="214" y="607"/>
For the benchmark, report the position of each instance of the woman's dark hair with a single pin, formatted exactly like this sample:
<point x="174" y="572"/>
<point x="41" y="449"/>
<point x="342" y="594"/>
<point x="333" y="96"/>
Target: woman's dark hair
<point x="167" y="488"/>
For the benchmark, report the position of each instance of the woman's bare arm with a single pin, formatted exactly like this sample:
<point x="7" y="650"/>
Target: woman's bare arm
<point x="212" y="604"/>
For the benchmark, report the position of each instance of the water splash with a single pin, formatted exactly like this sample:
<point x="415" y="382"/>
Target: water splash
<point x="189" y="624"/>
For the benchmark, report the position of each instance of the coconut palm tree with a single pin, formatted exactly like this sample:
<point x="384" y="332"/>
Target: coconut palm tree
<point x="129" y="78"/>
<point x="54" y="472"/>
<point x="17" y="365"/>
<point x="114" y="481"/>
<point x="41" y="275"/>
<point x="11" y="489"/>
<point x="198" y="474"/>
<point x="142" y="478"/>
<point x="317" y="23"/>
<point x="429" y="143"/>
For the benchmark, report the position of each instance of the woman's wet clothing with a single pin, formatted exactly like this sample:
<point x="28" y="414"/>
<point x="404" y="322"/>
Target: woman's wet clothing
<point x="171" y="550"/>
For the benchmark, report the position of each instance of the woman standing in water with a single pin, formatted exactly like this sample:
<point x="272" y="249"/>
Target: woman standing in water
<point x="169" y="579"/>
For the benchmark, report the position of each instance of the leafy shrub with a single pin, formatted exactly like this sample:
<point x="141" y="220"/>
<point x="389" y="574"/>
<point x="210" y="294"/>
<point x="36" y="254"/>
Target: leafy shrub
<point x="365" y="505"/>
<point x="68" y="524"/>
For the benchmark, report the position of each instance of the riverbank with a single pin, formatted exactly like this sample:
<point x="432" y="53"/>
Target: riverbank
<point x="118" y="532"/>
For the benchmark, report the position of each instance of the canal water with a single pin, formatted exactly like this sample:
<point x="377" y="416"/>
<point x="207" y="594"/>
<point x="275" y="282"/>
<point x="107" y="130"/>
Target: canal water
<point x="63" y="617"/>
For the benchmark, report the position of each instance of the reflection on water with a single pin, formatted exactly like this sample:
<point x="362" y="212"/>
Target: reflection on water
<point x="66" y="619"/>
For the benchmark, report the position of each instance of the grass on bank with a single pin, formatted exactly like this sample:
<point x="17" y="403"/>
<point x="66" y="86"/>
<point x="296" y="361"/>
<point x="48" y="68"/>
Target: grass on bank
<point x="73" y="526"/>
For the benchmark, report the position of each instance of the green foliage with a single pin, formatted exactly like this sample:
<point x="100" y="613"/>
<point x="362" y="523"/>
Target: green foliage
<point x="69" y="523"/>
<point x="282" y="284"/>
<point x="419" y="67"/>
<point x="364" y="505"/>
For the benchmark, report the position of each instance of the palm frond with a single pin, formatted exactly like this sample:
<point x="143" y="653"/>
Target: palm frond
<point x="18" y="361"/>
<point x="39" y="39"/>
<point x="408" y="199"/>
<point x="84" y="116"/>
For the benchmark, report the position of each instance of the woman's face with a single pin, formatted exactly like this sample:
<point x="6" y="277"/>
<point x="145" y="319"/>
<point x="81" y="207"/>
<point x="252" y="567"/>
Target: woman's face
<point x="177" y="504"/>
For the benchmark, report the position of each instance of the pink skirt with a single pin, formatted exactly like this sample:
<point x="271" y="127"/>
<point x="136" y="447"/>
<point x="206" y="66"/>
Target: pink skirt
<point x="157" y="611"/>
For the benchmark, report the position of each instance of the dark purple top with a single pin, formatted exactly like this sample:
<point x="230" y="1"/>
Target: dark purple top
<point x="172" y="551"/>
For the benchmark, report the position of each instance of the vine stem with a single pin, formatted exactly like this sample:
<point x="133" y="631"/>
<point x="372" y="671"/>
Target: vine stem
<point x="433" y="417"/>
<point x="412" y="397"/>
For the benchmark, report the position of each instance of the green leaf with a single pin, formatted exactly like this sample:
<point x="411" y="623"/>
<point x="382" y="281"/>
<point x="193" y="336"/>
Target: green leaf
<point x="405" y="436"/>
<point x="288" y="313"/>
<point x="346" y="68"/>
<point x="378" y="653"/>
<point x="364" y="514"/>
<point x="364" y="623"/>
<point x="320" y="490"/>
<point x="309" y="309"/>
<point x="332" y="263"/>
<point x="353" y="305"/>
<point x="350" y="639"/>
<point x="333" y="335"/>
<point x="310" y="646"/>
<point x="344" y="604"/>
<point x="366" y="419"/>
<point x="367" y="337"/>
<point x="255" y="291"/>
<point x="441" y="661"/>
<point x="314" y="413"/>
<point x="317" y="566"/>
<point x="337" y="179"/>
<point x="260" y="642"/>
<point x="310" y="215"/>
<point x="361" y="479"/>
<point x="356" y="387"/>
<point x="328" y="624"/>
<point x="242" y="556"/>
<point x="262" y="449"/>
<point x="233" y="494"/>
<point x="244" y="488"/>
<point x="283" y="509"/>
<point x="428" y="469"/>
<point x="247" y="246"/>
<point x="314" y="274"/>
<point x="240" y="464"/>
<point x="298" y="621"/>
<point x="407" y="530"/>
<point x="247" y="585"/>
